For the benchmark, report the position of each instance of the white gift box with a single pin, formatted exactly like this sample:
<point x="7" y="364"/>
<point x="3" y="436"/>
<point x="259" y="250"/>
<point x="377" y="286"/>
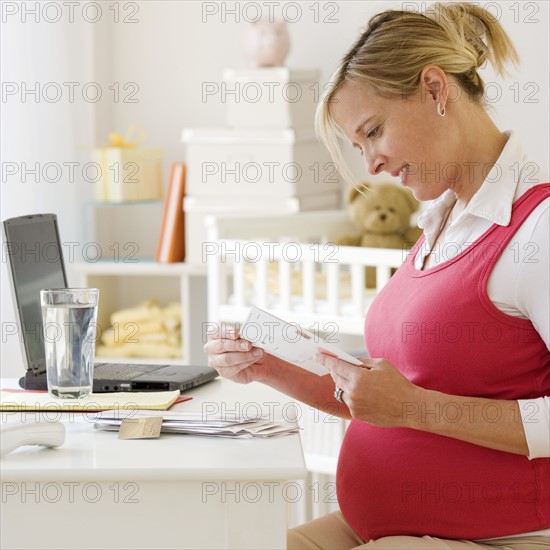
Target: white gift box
<point x="266" y="164"/>
<point x="269" y="97"/>
<point x="198" y="208"/>
<point x="128" y="174"/>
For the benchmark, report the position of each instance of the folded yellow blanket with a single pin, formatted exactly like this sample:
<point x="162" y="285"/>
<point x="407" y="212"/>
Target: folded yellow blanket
<point x="147" y="311"/>
<point x="146" y="330"/>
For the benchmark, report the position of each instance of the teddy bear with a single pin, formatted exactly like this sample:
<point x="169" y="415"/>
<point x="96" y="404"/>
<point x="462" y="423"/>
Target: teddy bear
<point x="382" y="214"/>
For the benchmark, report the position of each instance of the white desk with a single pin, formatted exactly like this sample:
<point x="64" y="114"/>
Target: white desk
<point x="179" y="491"/>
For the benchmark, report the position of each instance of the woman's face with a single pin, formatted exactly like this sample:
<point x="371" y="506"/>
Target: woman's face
<point x="397" y="133"/>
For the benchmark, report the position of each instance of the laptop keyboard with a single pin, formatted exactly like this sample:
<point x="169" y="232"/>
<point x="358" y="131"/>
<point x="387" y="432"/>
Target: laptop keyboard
<point x="121" y="371"/>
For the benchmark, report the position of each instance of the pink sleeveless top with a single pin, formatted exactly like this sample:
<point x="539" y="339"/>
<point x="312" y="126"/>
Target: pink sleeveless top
<point x="441" y="330"/>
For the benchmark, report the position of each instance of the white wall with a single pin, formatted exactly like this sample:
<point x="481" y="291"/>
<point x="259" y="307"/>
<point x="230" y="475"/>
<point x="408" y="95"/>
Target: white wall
<point x="43" y="131"/>
<point x="171" y="53"/>
<point x="168" y="54"/>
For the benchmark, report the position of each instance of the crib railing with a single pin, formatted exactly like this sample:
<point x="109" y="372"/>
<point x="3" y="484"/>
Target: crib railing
<point x="232" y="256"/>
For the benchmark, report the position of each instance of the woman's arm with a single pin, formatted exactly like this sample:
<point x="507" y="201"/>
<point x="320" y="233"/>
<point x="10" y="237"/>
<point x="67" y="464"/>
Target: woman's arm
<point x="304" y="386"/>
<point x="492" y="423"/>
<point x="236" y="359"/>
<point x="379" y="394"/>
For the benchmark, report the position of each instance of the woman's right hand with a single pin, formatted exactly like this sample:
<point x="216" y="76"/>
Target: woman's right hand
<point x="236" y="359"/>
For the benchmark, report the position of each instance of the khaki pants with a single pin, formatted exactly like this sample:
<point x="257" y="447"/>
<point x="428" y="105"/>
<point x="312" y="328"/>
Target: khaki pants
<point x="331" y="532"/>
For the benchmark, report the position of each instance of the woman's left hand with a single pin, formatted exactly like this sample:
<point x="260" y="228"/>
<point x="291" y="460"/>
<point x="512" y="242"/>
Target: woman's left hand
<point x="376" y="393"/>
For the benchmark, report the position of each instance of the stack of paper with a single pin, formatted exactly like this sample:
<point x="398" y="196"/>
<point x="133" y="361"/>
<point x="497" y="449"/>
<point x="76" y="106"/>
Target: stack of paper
<point x="200" y="423"/>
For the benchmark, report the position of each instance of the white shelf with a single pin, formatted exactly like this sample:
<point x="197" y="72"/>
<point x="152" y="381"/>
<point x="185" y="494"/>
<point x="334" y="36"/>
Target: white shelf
<point x="124" y="284"/>
<point x="122" y="204"/>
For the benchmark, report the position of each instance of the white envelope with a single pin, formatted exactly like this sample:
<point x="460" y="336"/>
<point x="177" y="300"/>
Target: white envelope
<point x="289" y="341"/>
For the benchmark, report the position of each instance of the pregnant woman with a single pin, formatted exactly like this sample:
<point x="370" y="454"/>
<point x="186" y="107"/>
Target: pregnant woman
<point x="448" y="445"/>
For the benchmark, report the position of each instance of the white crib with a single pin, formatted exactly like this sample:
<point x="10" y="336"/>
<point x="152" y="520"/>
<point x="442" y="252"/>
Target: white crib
<point x="296" y="244"/>
<point x="299" y="244"/>
<point x="247" y="257"/>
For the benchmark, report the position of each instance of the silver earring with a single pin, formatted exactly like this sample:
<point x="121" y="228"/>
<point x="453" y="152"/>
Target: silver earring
<point x="440" y="111"/>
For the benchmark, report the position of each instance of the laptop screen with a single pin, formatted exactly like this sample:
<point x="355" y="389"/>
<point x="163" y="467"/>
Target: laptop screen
<point x="35" y="261"/>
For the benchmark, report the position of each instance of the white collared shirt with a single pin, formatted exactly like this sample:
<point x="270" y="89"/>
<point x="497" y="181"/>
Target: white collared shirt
<point x="519" y="284"/>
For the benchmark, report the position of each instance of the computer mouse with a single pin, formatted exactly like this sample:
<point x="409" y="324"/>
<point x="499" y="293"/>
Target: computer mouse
<point x="16" y="433"/>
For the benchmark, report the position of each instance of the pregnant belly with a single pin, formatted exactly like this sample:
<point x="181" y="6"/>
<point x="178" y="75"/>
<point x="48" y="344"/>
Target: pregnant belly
<point x="397" y="481"/>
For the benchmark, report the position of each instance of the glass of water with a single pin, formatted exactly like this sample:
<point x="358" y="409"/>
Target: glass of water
<point x="69" y="318"/>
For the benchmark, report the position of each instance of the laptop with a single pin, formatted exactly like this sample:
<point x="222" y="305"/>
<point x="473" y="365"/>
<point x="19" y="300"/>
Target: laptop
<point x="34" y="256"/>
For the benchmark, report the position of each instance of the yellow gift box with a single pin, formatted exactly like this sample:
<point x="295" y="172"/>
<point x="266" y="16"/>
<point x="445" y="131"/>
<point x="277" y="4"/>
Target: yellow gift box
<point x="128" y="172"/>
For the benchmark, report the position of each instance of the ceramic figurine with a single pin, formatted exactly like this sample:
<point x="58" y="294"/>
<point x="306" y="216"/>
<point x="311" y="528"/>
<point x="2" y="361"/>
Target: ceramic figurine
<point x="266" y="44"/>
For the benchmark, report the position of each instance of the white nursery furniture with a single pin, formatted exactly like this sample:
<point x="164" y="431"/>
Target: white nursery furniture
<point x="244" y="255"/>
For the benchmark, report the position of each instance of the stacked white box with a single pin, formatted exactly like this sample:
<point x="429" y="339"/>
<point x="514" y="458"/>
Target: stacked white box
<point x="275" y="97"/>
<point x="267" y="163"/>
<point x="267" y="160"/>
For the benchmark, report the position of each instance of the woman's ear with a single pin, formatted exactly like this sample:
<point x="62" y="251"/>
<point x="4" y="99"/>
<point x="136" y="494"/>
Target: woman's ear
<point x="434" y="83"/>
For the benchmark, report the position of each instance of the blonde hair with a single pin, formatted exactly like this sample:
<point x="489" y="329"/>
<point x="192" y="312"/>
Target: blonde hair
<point x="396" y="45"/>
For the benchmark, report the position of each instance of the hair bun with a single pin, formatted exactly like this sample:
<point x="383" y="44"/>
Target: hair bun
<point x="475" y="38"/>
<point x="466" y="23"/>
